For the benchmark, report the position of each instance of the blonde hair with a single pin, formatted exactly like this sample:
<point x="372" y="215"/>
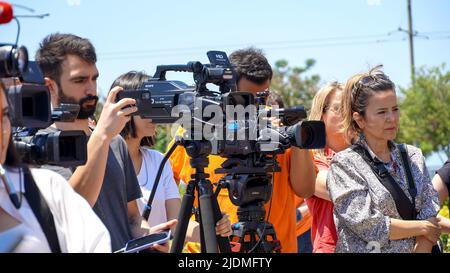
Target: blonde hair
<point x="320" y="103"/>
<point x="356" y="96"/>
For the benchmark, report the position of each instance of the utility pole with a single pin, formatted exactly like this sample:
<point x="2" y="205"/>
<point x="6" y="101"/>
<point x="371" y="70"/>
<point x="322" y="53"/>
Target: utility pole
<point x="411" y="42"/>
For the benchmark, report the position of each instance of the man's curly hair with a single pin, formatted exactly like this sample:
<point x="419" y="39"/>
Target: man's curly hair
<point x="250" y="63"/>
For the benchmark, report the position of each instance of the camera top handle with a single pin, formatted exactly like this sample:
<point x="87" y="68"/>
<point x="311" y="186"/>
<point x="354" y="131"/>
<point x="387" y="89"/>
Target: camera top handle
<point x="161" y="70"/>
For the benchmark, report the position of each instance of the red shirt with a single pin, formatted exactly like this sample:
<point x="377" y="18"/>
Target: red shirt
<point x="323" y="230"/>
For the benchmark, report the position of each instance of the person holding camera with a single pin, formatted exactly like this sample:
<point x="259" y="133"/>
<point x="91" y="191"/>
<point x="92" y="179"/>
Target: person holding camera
<point x="325" y="106"/>
<point x="382" y="195"/>
<point x="140" y="135"/>
<point x="254" y="74"/>
<point x="107" y="180"/>
<point x="39" y="211"/>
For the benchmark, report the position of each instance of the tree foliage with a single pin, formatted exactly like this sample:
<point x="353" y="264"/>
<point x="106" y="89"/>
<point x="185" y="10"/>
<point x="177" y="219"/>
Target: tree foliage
<point x="293" y="84"/>
<point x="425" y="111"/>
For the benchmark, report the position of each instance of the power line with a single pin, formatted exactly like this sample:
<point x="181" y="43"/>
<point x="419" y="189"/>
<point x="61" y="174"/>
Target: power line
<point x="174" y="52"/>
<point x="262" y="43"/>
<point x="325" y="39"/>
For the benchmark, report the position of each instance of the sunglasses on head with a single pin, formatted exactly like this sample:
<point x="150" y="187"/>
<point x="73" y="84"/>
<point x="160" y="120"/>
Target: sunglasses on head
<point x="367" y="80"/>
<point x="371" y="78"/>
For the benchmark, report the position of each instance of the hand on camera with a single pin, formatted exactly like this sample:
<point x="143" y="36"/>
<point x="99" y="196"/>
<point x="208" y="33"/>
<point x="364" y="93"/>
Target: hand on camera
<point x="115" y="115"/>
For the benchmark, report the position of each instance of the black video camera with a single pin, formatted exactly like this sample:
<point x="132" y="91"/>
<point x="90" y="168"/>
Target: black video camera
<point x="61" y="148"/>
<point x="237" y="135"/>
<point x="29" y="100"/>
<point x="157" y="98"/>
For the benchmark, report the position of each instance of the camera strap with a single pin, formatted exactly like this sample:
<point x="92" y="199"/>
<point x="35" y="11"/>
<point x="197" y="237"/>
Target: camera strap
<point x="412" y="186"/>
<point x="41" y="211"/>
<point x="404" y="206"/>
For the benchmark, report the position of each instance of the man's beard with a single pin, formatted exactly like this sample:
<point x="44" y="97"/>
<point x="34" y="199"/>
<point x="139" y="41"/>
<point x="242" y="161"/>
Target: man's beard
<point x="86" y="111"/>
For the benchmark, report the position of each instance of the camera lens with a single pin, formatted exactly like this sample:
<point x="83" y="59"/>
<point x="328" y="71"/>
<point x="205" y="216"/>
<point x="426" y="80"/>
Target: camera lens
<point x="307" y="136"/>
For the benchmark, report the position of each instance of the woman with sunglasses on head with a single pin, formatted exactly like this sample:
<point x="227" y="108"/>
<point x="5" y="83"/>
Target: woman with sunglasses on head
<point x="326" y="106"/>
<point x="140" y="134"/>
<point x="382" y="202"/>
<point x="39" y="210"/>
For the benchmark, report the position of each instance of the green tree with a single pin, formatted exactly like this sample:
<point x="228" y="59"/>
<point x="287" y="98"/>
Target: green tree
<point x="425" y="111"/>
<point x="162" y="138"/>
<point x="293" y="85"/>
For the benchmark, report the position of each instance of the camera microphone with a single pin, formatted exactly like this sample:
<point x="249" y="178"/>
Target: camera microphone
<point x="6" y="13"/>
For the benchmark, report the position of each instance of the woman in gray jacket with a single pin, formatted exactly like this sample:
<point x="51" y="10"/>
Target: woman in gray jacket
<point x="366" y="214"/>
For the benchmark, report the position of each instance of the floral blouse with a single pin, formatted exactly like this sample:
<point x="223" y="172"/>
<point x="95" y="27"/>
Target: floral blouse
<point x="363" y="207"/>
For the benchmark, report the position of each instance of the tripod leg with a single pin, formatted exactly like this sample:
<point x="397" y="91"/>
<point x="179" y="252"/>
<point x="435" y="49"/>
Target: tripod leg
<point x="202" y="234"/>
<point x="183" y="219"/>
<point x="208" y="222"/>
<point x="224" y="242"/>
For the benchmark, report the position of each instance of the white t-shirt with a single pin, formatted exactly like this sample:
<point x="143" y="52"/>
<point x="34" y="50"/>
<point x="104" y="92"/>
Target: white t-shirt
<point x="167" y="188"/>
<point x="77" y="226"/>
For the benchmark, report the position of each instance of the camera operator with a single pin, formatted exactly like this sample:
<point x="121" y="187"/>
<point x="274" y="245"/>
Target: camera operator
<point x="254" y="75"/>
<point x="107" y="180"/>
<point x="140" y="135"/>
<point x="28" y="197"/>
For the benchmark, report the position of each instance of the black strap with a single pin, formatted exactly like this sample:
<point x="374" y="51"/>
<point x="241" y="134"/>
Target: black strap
<point x="41" y="211"/>
<point x="405" y="208"/>
<point x="412" y="186"/>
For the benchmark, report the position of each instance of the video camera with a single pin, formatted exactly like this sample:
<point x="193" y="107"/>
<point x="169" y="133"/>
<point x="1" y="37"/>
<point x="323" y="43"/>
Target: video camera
<point x="29" y="101"/>
<point x="242" y="136"/>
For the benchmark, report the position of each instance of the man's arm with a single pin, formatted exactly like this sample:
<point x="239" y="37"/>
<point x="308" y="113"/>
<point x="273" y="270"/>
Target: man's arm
<point x="87" y="180"/>
<point x="321" y="190"/>
<point x="444" y="223"/>
<point x="440" y="187"/>
<point x="138" y="225"/>
<point x="302" y="172"/>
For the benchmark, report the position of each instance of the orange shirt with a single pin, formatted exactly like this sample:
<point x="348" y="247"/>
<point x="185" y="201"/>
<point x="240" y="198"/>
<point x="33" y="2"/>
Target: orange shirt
<point x="282" y="214"/>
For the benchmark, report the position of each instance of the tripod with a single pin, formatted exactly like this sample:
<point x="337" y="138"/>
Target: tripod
<point x="249" y="187"/>
<point x="253" y="233"/>
<point x="209" y="211"/>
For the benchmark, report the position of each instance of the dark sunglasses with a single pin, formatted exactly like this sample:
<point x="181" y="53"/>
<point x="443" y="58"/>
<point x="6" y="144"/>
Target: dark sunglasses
<point x="367" y="80"/>
<point x="371" y="78"/>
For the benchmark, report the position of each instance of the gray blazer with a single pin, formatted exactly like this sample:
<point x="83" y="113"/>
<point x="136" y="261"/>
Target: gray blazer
<point x="363" y="207"/>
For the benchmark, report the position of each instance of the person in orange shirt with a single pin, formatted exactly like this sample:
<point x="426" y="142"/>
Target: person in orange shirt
<point x="254" y="75"/>
<point x="303" y="227"/>
<point x="303" y="217"/>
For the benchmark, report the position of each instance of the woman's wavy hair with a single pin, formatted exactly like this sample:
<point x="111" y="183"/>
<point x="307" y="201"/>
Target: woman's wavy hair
<point x="320" y="104"/>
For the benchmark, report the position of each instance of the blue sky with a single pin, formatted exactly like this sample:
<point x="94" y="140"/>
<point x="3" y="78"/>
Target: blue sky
<point x="138" y="34"/>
